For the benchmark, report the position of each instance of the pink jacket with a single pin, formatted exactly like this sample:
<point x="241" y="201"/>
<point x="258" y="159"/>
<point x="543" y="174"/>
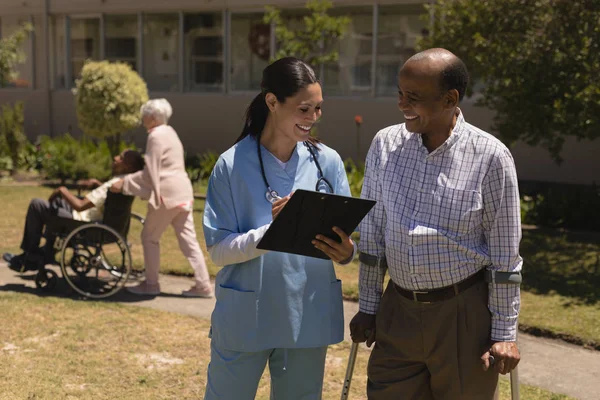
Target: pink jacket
<point x="163" y="179"/>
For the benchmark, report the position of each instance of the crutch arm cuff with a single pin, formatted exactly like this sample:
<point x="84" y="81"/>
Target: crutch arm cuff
<point x="372" y="261"/>
<point x="503" y="278"/>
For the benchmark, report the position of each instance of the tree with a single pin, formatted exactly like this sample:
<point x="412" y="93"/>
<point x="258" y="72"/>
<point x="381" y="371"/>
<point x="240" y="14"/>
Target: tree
<point x="12" y="136"/>
<point x="11" y="54"/>
<point x="538" y="63"/>
<point x="314" y="43"/>
<point x="108" y="98"/>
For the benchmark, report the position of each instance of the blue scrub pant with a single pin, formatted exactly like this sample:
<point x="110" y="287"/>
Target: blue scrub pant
<point x="296" y="374"/>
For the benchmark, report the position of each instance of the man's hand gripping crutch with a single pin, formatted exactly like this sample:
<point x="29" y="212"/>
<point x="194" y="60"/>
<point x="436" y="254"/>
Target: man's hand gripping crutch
<point x="362" y="329"/>
<point x="504" y="356"/>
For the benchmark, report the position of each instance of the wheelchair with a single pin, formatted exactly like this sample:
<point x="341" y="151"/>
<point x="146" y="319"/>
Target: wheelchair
<point x="94" y="257"/>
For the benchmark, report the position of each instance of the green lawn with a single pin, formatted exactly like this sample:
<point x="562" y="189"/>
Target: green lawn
<point x="56" y="348"/>
<point x="561" y="271"/>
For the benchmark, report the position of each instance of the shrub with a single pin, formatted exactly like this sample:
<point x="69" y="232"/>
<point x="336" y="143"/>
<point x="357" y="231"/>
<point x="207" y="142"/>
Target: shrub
<point x="30" y="157"/>
<point x="108" y="98"/>
<point x="356" y="176"/>
<point x="11" y="53"/>
<point x="560" y="205"/>
<point x="200" y="166"/>
<point x="12" y="138"/>
<point x="67" y="158"/>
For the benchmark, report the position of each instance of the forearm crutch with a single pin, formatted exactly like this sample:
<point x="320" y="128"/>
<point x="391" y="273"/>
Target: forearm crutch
<point x="507" y="278"/>
<point x="514" y="381"/>
<point x="514" y="384"/>
<point x="349" y="371"/>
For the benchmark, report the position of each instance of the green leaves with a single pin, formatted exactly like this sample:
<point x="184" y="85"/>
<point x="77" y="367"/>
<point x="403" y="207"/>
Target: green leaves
<point x="537" y="61"/>
<point x="11" y="54"/>
<point x="108" y="97"/>
<point x="12" y="136"/>
<point x="67" y="158"/>
<point x="313" y="43"/>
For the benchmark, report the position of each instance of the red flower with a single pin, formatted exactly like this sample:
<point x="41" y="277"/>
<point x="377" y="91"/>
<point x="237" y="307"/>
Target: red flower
<point x="358" y="119"/>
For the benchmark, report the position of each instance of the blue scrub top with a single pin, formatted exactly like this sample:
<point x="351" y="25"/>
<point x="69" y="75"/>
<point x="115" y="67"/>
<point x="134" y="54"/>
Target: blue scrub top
<point x="277" y="300"/>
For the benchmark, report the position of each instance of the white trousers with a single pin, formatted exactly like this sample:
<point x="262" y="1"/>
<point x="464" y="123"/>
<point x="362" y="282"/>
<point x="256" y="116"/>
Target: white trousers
<point x="157" y="221"/>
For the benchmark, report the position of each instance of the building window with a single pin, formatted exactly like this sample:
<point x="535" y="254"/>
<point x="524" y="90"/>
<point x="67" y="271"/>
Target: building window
<point x="250" y="50"/>
<point x="120" y="42"/>
<point x="161" y="51"/>
<point x="351" y="74"/>
<point x="203" y="37"/>
<point x="58" y="68"/>
<point x="400" y="27"/>
<point x="85" y="43"/>
<point x="24" y="70"/>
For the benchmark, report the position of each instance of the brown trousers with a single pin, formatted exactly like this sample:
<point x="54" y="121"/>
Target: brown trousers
<point x="432" y="351"/>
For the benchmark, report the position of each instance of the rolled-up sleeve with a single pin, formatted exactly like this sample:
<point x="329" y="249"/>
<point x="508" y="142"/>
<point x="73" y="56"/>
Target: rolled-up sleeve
<point x="372" y="234"/>
<point x="502" y="225"/>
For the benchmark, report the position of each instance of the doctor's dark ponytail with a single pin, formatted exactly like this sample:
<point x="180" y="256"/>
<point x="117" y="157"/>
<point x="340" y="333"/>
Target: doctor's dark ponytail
<point x="284" y="78"/>
<point x="256" y="117"/>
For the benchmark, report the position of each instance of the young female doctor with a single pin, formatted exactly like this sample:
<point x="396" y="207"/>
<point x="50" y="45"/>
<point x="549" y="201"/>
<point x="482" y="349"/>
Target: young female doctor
<point x="273" y="307"/>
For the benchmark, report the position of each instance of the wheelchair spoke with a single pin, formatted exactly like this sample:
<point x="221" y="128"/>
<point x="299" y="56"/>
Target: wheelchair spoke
<point x="96" y="261"/>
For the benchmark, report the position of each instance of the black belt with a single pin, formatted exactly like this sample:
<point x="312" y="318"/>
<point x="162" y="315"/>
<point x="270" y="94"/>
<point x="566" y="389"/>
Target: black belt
<point x="445" y="293"/>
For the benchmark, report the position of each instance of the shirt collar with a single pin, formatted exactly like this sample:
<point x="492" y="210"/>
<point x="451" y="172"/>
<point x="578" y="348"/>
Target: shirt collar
<point x="454" y="136"/>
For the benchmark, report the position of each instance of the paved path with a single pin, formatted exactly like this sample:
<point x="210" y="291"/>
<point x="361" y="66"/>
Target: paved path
<point x="549" y="364"/>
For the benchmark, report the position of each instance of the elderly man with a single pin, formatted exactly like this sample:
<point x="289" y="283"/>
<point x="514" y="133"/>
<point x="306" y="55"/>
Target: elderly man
<point x="447" y="221"/>
<point x="65" y="204"/>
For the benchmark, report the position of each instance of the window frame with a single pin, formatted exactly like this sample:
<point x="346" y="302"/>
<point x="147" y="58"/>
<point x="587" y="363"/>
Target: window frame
<point x="227" y="14"/>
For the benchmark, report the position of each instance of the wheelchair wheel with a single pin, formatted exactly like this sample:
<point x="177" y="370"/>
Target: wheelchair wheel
<point x="96" y="261"/>
<point x="46" y="280"/>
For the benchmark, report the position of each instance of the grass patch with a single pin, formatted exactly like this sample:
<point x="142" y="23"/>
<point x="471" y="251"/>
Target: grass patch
<point x="66" y="349"/>
<point x="561" y="272"/>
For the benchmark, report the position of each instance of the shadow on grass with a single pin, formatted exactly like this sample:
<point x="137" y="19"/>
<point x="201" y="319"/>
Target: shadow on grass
<point x="65" y="291"/>
<point x="565" y="263"/>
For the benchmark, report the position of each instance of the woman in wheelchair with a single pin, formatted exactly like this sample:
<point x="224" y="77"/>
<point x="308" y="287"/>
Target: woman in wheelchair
<point x="63" y="203"/>
<point x="166" y="185"/>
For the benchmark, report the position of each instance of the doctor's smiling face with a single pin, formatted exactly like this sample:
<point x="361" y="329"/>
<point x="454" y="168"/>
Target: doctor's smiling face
<point x="294" y="117"/>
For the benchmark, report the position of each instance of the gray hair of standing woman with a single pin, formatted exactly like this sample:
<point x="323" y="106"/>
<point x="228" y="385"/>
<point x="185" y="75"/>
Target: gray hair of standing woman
<point x="158" y="109"/>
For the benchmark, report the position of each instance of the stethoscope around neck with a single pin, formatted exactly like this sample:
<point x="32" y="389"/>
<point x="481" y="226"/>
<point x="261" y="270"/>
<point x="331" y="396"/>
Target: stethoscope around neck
<point x="271" y="194"/>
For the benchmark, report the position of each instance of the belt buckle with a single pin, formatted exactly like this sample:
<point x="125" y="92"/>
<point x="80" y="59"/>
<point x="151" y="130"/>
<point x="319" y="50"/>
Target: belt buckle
<point x="415" y="293"/>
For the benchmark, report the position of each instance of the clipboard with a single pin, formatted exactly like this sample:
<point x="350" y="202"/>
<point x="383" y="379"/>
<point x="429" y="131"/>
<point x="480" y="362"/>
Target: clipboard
<point x="308" y="214"/>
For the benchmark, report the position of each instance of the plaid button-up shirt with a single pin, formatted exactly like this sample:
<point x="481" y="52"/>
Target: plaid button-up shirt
<point x="442" y="216"/>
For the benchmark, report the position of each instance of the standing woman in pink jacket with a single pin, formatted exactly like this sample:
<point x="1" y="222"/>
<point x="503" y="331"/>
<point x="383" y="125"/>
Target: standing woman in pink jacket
<point x="166" y="185"/>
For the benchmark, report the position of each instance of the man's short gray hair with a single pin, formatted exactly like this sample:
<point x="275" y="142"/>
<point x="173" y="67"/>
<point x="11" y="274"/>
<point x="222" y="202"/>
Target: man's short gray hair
<point x="159" y="109"/>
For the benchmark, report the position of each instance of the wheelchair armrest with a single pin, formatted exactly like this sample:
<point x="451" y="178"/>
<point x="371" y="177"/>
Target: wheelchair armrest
<point x="139" y="217"/>
<point x="62" y="226"/>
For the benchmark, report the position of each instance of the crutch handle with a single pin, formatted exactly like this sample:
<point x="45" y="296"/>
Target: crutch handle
<point x="349" y="371"/>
